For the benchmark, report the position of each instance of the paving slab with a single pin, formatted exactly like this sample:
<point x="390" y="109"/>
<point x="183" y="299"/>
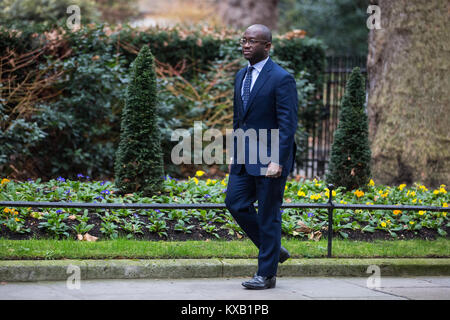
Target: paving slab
<point x="287" y="288"/>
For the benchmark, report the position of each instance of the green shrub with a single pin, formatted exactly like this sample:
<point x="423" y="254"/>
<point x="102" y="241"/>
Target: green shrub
<point x="139" y="163"/>
<point x="49" y="12"/>
<point x="350" y="153"/>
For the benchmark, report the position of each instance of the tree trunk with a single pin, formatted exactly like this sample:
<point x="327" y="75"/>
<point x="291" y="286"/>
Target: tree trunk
<point x="243" y="13"/>
<point x="408" y="102"/>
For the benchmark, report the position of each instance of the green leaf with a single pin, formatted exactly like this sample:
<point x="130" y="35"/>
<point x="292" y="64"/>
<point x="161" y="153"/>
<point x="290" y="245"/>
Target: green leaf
<point x="343" y="234"/>
<point x="368" y="229"/>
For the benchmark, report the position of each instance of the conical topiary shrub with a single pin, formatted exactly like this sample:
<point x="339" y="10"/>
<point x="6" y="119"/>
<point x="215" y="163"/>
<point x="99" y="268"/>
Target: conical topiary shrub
<point x="139" y="165"/>
<point x="350" y="153"/>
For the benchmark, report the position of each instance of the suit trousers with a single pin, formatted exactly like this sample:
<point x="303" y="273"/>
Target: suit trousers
<point x="263" y="226"/>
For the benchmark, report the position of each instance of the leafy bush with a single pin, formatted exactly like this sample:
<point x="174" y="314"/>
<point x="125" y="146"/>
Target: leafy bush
<point x="72" y="124"/>
<point x="50" y="12"/>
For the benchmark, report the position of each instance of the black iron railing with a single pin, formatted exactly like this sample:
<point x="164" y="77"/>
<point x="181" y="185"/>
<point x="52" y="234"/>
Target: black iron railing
<point x="330" y="205"/>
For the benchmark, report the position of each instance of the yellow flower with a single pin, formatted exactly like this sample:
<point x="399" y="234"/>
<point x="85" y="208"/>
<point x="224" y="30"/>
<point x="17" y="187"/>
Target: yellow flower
<point x="359" y="193"/>
<point x="208" y="181"/>
<point x="444" y="214"/>
<point x="442" y="190"/>
<point x="411" y="222"/>
<point x="383" y="224"/>
<point x="436" y="191"/>
<point x="369" y="203"/>
<point x="371" y="183"/>
<point x="17" y="219"/>
<point x="414" y="200"/>
<point x="318" y="184"/>
<point x="300" y="193"/>
<point x="199" y="173"/>
<point x="445" y="205"/>
<point x="423" y="188"/>
<point x="421" y="212"/>
<point x="343" y="202"/>
<point x="411" y="193"/>
<point x="327" y="192"/>
<point x="315" y="196"/>
<point x="6" y="210"/>
<point x="402" y="186"/>
<point x="195" y="180"/>
<point x="396" y="212"/>
<point x="5" y="181"/>
<point x="223" y="183"/>
<point x="388" y="221"/>
<point x="384" y="195"/>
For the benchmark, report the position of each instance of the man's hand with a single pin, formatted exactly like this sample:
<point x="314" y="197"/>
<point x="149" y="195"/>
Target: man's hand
<point x="274" y="170"/>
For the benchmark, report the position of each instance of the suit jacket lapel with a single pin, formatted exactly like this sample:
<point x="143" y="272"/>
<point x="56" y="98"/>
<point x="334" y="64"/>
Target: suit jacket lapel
<point x="239" y="80"/>
<point x="262" y="78"/>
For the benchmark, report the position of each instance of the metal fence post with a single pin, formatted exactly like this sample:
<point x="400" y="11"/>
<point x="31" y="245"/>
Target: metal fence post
<point x="330" y="219"/>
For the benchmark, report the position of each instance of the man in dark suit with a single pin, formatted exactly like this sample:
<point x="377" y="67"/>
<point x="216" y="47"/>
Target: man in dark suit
<point x="265" y="98"/>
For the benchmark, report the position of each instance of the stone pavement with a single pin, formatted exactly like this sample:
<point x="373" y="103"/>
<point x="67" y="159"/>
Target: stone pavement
<point x="229" y="288"/>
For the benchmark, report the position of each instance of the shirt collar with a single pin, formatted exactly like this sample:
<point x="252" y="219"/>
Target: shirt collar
<point x="259" y="65"/>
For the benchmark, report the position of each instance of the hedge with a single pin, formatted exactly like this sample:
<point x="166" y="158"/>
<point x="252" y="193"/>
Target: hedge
<point x="66" y="119"/>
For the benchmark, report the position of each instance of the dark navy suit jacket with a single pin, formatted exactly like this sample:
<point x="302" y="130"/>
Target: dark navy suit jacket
<point x="273" y="104"/>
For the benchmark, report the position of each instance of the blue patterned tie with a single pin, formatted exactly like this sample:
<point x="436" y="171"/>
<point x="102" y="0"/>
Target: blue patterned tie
<point x="247" y="83"/>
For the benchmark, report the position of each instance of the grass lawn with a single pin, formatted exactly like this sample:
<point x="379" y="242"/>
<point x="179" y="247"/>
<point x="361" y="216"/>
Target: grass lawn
<point x="134" y="249"/>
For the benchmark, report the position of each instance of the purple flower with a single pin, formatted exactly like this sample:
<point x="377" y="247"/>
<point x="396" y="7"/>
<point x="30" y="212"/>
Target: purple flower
<point x="102" y="183"/>
<point x="157" y="210"/>
<point x="100" y="198"/>
<point x="224" y="190"/>
<point x="60" y="179"/>
<point x="67" y="191"/>
<point x="105" y="191"/>
<point x="59" y="211"/>
<point x="207" y="196"/>
<point x="310" y="214"/>
<point x="80" y="175"/>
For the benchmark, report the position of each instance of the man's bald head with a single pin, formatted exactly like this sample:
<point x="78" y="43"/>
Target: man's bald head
<point x="263" y="31"/>
<point x="257" y="42"/>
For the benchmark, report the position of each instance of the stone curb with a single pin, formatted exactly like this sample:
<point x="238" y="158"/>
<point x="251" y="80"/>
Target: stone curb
<point x="45" y="270"/>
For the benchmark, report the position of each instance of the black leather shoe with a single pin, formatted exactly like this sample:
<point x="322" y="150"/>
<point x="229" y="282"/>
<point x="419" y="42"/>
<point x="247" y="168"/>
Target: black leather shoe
<point x="284" y="254"/>
<point x="260" y="283"/>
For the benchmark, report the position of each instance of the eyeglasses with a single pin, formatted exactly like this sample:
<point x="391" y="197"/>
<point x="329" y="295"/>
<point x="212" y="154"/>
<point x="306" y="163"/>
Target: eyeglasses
<point x="250" y="41"/>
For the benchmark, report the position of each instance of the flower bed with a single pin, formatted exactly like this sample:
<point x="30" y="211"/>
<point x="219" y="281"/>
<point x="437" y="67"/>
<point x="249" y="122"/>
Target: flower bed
<point x="24" y="223"/>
